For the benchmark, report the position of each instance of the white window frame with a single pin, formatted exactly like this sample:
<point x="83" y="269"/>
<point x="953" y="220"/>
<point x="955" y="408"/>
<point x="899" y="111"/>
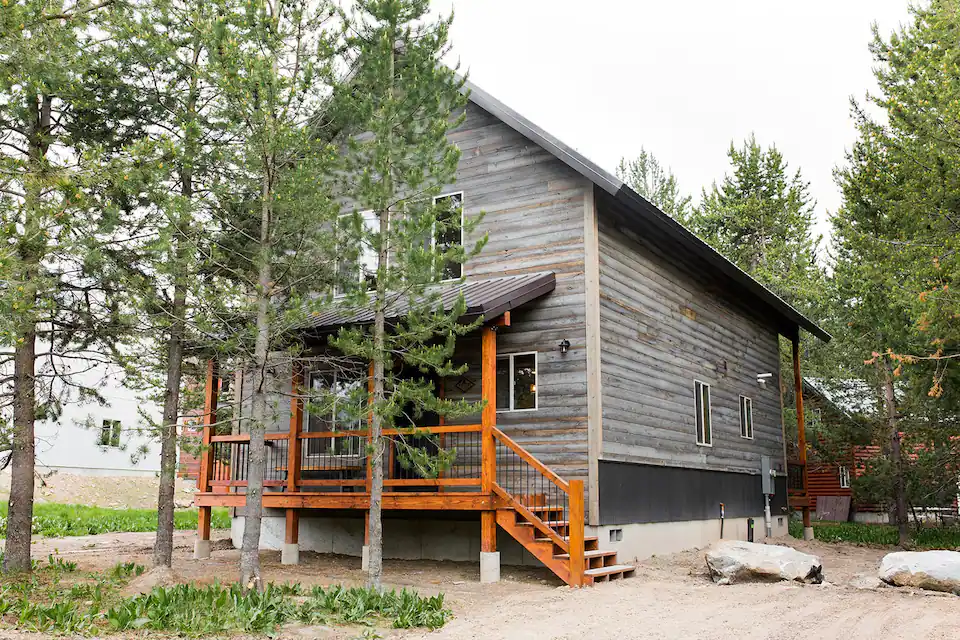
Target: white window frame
<point x="433" y="232"/>
<point x="746" y="427"/>
<point x="363" y="249"/>
<point x="513" y="380"/>
<point x="707" y="442"/>
<point x="305" y="420"/>
<point x="108" y="423"/>
<point x="844" y="474"/>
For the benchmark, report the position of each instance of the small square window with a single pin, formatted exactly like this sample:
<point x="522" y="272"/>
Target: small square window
<point x="701" y="392"/>
<point x="517" y="382"/>
<point x="109" y="433"/>
<point x="746" y="417"/>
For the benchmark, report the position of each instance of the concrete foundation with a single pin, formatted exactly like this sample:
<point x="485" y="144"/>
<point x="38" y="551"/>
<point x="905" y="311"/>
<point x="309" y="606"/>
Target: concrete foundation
<point x="201" y="549"/>
<point x="290" y="554"/>
<point x="365" y="558"/>
<point x="634" y="542"/>
<point x="459" y="540"/>
<point x="808" y="533"/>
<point x="489" y="567"/>
<point x="871" y="517"/>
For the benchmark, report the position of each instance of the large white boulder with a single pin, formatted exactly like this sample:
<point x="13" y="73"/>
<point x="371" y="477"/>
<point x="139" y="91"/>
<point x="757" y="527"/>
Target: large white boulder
<point x="732" y="561"/>
<point x="933" y="570"/>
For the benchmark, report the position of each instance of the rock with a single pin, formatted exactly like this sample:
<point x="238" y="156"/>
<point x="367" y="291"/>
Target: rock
<point x="732" y="561"/>
<point x="155" y="577"/>
<point x="932" y="570"/>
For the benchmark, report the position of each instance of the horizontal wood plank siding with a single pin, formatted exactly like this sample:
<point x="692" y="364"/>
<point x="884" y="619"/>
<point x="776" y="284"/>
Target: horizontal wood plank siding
<point x="663" y="327"/>
<point x="532" y="207"/>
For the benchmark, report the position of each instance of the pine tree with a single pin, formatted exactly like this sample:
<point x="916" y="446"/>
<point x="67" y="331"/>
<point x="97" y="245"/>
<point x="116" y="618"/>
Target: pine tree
<point x="162" y="50"/>
<point x="762" y="219"/>
<point x="272" y="59"/>
<point x="62" y="112"/>
<point x="645" y="175"/>
<point x="402" y="97"/>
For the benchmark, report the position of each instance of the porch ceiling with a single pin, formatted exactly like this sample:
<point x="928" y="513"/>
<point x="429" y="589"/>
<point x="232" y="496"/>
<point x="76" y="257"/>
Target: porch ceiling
<point x="489" y="298"/>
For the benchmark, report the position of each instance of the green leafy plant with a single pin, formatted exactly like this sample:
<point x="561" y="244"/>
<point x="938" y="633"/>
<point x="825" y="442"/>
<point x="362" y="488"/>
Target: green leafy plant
<point x="127" y="570"/>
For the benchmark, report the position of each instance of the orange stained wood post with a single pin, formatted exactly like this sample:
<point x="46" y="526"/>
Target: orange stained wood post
<point x="576" y="533"/>
<point x="296" y="427"/>
<point x="210" y="396"/>
<point x="488" y="420"/>
<point x="801" y="428"/>
<point x="292" y="535"/>
<point x="366" y="528"/>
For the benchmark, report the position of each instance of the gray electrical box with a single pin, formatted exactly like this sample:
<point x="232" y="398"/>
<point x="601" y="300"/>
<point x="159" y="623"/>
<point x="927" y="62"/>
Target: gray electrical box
<point x="767" y="476"/>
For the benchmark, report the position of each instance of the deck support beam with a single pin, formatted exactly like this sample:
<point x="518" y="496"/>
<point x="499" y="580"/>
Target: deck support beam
<point x="489" y="558"/>
<point x="211" y="393"/>
<point x="801" y="437"/>
<point x="290" y="554"/>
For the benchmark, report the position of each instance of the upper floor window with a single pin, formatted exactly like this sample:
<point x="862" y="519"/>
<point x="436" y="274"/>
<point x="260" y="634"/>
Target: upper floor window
<point x="746" y="417"/>
<point x="517" y="382"/>
<point x="362" y="266"/>
<point x="110" y="434"/>
<point x="701" y="392"/>
<point x="844" y="477"/>
<point x="448" y="231"/>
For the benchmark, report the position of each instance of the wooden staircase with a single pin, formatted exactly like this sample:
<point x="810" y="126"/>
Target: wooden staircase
<point x="545" y="514"/>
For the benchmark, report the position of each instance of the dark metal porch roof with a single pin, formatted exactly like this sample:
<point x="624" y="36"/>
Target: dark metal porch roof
<point x="488" y="298"/>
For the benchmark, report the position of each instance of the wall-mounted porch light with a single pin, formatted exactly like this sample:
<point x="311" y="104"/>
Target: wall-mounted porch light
<point x="564" y="346"/>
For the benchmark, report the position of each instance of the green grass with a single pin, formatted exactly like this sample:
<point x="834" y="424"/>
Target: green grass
<point x="62" y="520"/>
<point x="55" y="600"/>
<point x="880" y="534"/>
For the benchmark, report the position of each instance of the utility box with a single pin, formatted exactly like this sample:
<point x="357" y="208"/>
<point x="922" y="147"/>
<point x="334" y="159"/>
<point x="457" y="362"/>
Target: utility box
<point x="767" y="476"/>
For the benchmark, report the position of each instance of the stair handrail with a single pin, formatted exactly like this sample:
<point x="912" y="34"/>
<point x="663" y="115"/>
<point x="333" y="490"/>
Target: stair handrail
<point x="574" y="543"/>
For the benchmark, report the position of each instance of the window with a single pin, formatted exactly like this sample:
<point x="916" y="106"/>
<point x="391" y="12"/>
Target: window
<point x="746" y="417"/>
<point x="110" y="434"/>
<point x="340" y="407"/>
<point x="517" y="382"/>
<point x="844" y="478"/>
<point x="701" y="392"/>
<point x="362" y="267"/>
<point x="448" y="231"/>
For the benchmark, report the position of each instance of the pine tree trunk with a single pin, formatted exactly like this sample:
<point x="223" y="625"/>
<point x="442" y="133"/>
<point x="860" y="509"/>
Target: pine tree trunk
<point x="20" y="506"/>
<point x="250" y="546"/>
<point x="22" y="461"/>
<point x="163" y="547"/>
<point x="375" y="550"/>
<point x="899" y="483"/>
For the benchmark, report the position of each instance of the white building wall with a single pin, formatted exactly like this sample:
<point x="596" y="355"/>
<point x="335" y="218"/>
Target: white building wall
<point x="70" y="443"/>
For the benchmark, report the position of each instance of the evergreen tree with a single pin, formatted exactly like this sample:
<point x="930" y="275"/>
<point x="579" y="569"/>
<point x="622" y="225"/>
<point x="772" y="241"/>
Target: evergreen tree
<point x="402" y="97"/>
<point x="761" y="218"/>
<point x="162" y="48"/>
<point x="61" y="112"/>
<point x="272" y="59"/>
<point x="645" y="175"/>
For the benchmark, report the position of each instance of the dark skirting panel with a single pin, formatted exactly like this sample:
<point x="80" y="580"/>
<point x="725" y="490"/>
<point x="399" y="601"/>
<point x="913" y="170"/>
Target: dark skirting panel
<point x="632" y="493"/>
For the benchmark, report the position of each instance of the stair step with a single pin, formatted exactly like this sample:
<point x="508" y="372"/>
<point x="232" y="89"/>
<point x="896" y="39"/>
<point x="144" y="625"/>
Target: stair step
<point x="567" y="539"/>
<point x="588" y="554"/>
<point x="553" y="524"/>
<point x="537" y="509"/>
<point x="606" y="571"/>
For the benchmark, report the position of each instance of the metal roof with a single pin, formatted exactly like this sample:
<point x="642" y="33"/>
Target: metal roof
<point x="488" y="298"/>
<point x="644" y="212"/>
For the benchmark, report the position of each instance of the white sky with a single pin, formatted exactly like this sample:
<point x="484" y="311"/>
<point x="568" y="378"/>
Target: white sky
<point x="682" y="79"/>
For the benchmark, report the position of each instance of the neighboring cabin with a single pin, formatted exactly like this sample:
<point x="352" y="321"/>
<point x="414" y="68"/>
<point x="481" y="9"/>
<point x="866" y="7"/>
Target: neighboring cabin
<point x="89" y="438"/>
<point x="628" y="354"/>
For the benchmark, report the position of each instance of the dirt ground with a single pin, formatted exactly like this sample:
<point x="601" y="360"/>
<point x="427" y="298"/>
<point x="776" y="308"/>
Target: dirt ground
<point x="127" y="492"/>
<point x="671" y="596"/>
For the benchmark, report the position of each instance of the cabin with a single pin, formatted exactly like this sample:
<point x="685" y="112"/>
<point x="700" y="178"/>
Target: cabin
<point x="630" y="374"/>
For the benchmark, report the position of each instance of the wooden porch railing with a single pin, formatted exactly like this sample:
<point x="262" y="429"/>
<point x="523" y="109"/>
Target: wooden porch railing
<point x="336" y="461"/>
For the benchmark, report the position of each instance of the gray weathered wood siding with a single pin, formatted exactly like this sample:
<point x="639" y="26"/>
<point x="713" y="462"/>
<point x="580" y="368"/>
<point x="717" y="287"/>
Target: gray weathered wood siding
<point x="662" y="327"/>
<point x="533" y="218"/>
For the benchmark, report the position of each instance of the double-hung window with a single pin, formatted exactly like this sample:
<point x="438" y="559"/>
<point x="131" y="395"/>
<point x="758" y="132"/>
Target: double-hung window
<point x="448" y="232"/>
<point x="340" y="403"/>
<point x="844" y="477"/>
<point x="517" y="382"/>
<point x="110" y="433"/>
<point x="746" y="417"/>
<point x="357" y="264"/>
<point x="701" y="392"/>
